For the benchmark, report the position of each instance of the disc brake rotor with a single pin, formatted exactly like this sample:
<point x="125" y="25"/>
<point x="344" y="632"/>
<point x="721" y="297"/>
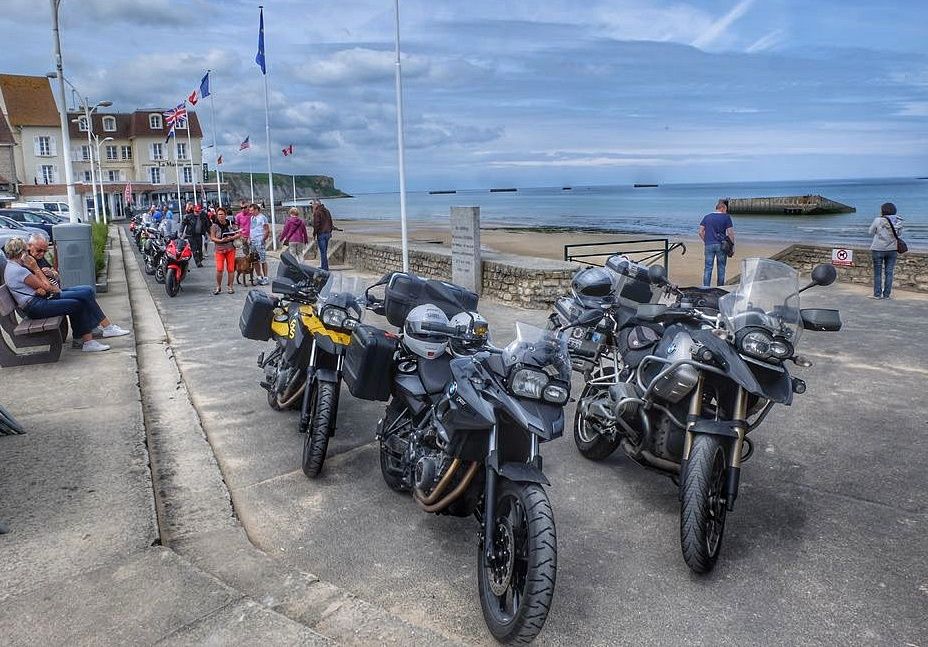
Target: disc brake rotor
<point x="503" y="560"/>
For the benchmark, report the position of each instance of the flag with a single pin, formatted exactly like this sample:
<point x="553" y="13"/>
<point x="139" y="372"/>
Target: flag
<point x="128" y="193"/>
<point x="245" y="144"/>
<point x="219" y="160"/>
<point x="259" y="57"/>
<point x="174" y="115"/>
<point x="193" y="98"/>
<point x="170" y="134"/>
<point x="288" y="150"/>
<point x="204" y="85"/>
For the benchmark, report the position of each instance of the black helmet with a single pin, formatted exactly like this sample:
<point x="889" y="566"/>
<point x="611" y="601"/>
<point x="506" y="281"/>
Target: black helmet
<point x="593" y="286"/>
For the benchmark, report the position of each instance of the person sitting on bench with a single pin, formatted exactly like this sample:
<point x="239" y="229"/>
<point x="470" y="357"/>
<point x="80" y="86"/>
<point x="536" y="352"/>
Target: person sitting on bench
<point x="38" y="298"/>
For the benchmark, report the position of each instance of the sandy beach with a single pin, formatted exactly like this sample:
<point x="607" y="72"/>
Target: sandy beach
<point x="685" y="269"/>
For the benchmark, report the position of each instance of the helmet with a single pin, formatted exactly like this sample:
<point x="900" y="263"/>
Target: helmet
<point x="474" y="324"/>
<point x="593" y="286"/>
<point x="426" y="344"/>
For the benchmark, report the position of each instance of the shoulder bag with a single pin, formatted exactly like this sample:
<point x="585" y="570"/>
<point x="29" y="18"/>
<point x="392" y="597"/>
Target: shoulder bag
<point x="901" y="247"/>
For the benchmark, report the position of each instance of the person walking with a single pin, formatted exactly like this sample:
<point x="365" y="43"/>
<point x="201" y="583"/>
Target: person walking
<point x="258" y="235"/>
<point x="243" y="218"/>
<point x="194" y="225"/>
<point x="294" y="234"/>
<point x="714" y="229"/>
<point x="886" y="230"/>
<point x="223" y="235"/>
<point x="322" y="231"/>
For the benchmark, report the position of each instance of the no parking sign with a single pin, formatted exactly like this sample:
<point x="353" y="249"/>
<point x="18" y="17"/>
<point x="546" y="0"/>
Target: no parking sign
<point x="842" y="256"/>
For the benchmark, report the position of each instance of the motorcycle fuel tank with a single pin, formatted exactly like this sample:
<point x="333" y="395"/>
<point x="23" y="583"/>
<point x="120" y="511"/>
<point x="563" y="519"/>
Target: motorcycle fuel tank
<point x="679" y="382"/>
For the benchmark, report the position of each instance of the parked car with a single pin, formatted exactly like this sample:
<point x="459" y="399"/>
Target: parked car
<point x="29" y="219"/>
<point x="54" y="207"/>
<point x="48" y="216"/>
<point x="22" y="230"/>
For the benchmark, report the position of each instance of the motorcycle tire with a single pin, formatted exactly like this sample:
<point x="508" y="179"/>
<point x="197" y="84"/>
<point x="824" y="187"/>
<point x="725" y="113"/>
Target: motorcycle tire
<point x="273" y="401"/>
<point x="8" y="424"/>
<point x="590" y="443"/>
<point x="391" y="467"/>
<point x="321" y="421"/>
<point x="171" y="284"/>
<point x="525" y="527"/>
<point x="149" y="266"/>
<point x="159" y="273"/>
<point x="703" y="507"/>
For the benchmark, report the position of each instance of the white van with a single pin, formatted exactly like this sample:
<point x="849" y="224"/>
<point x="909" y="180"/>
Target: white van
<point x="60" y="208"/>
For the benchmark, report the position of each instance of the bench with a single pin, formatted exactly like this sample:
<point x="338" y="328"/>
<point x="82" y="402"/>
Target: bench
<point x="25" y="341"/>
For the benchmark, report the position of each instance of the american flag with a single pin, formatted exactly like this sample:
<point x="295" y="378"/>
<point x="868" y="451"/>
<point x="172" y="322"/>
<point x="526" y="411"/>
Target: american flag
<point x="245" y="144"/>
<point x="174" y="115"/>
<point x="288" y="150"/>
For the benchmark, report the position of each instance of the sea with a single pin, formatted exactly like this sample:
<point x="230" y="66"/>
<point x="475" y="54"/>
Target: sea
<point x="667" y="210"/>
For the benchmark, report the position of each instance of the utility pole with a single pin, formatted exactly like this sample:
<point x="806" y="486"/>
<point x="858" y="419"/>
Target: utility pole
<point x="65" y="136"/>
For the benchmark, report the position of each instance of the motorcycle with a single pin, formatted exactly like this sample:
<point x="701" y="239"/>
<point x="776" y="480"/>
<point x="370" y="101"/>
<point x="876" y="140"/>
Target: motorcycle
<point x="680" y="386"/>
<point x="461" y="432"/>
<point x="311" y="325"/>
<point x="154" y="251"/>
<point x="176" y="256"/>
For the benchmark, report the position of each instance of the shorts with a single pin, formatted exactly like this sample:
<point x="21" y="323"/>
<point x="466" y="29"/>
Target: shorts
<point x="258" y="247"/>
<point x="225" y="258"/>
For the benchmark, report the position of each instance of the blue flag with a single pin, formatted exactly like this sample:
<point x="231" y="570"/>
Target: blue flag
<point x="259" y="57"/>
<point x="170" y="134"/>
<point x="204" y="86"/>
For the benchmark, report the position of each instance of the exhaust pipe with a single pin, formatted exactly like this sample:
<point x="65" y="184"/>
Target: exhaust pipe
<point x="454" y="495"/>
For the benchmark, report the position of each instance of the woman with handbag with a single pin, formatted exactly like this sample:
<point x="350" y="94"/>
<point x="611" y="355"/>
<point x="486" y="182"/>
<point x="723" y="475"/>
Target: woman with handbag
<point x="885" y="249"/>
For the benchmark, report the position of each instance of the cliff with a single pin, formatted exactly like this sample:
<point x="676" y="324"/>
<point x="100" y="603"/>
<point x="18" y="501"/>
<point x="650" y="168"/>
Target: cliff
<point x="307" y="186"/>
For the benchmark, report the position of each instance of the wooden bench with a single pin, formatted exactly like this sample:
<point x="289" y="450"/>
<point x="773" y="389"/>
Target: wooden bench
<point x="25" y="341"/>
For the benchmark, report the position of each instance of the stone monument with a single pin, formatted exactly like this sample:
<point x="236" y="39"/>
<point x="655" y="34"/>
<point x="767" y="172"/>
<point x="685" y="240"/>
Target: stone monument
<point x="465" y="248"/>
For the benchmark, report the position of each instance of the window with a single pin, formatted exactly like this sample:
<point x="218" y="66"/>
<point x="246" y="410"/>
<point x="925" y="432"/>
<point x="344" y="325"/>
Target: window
<point x="112" y="176"/>
<point x="45" y="146"/>
<point x="82" y="124"/>
<point x="182" y="151"/>
<point x="85" y="153"/>
<point x="154" y="174"/>
<point x="154" y="121"/>
<point x="47" y="172"/>
<point x="156" y="151"/>
<point x="127" y="152"/>
<point x="109" y="124"/>
<point x="87" y="177"/>
<point x="188" y="174"/>
<point x="181" y="124"/>
<point x="112" y="153"/>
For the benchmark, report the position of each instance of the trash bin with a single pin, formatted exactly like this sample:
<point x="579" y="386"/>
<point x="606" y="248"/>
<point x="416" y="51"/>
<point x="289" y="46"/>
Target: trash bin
<point x="74" y="251"/>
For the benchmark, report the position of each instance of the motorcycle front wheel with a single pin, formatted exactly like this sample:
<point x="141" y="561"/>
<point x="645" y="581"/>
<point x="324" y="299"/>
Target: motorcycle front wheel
<point x="517" y="585"/>
<point x="590" y="442"/>
<point x="321" y="420"/>
<point x="703" y="506"/>
<point x="149" y="265"/>
<point x="171" y="284"/>
<point x="159" y="273"/>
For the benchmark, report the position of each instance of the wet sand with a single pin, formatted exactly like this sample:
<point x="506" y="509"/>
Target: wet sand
<point x="685" y="269"/>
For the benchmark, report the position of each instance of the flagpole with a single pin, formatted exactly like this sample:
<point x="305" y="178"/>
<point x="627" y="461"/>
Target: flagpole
<point x="267" y="133"/>
<point x="251" y="178"/>
<point x="193" y="171"/>
<point x="176" y="172"/>
<point x="212" y="120"/>
<point x="401" y="145"/>
<point x="293" y="177"/>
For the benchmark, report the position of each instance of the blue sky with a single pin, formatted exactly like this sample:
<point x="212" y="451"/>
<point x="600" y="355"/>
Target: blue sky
<point x="521" y="93"/>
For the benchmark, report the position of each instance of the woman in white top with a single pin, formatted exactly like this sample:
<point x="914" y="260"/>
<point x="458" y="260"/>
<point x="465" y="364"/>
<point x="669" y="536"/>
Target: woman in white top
<point x="883" y="249"/>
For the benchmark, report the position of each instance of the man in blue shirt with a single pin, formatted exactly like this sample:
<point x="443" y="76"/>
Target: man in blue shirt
<point x="713" y="229"/>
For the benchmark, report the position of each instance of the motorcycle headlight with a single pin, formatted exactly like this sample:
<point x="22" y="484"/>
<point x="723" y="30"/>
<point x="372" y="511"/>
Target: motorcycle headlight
<point x="528" y="383"/>
<point x="334" y="317"/>
<point x="781" y="349"/>
<point x="351" y="323"/>
<point x="756" y="344"/>
<point x="556" y="393"/>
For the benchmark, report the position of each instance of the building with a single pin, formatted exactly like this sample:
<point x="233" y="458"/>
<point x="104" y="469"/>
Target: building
<point x="132" y="150"/>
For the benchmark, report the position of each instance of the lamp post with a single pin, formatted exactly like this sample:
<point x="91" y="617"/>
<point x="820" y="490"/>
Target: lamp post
<point x="65" y="138"/>
<point x="100" y="168"/>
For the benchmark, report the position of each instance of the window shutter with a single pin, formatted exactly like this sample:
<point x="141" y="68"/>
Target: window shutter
<point x="55" y="174"/>
<point x="53" y="145"/>
<point x="38" y="151"/>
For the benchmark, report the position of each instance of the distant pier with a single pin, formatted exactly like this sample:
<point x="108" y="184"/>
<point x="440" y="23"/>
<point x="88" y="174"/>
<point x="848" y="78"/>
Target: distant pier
<point x="789" y="205"/>
<point x="442" y="192"/>
<point x="512" y="190"/>
<point x="645" y="186"/>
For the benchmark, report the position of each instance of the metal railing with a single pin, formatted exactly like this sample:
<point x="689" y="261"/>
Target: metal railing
<point x="643" y="250"/>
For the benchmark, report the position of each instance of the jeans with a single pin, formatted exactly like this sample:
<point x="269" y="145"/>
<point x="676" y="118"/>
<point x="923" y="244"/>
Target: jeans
<point x="78" y="303"/>
<point x="714" y="252"/>
<point x="882" y="287"/>
<point x="196" y="247"/>
<point x="323" y="241"/>
<point x="297" y="249"/>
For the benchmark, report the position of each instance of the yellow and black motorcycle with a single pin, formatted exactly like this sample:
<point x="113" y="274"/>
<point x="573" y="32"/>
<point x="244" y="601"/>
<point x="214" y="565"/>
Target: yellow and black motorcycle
<point x="310" y="323"/>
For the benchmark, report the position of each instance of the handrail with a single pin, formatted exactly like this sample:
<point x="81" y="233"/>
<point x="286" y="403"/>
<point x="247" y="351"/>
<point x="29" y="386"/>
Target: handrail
<point x="647" y="255"/>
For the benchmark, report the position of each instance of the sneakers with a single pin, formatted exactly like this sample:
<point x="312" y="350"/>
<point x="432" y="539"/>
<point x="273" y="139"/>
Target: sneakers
<point x="874" y="296"/>
<point x="93" y="346"/>
<point x="262" y="280"/>
<point x="114" y="331"/>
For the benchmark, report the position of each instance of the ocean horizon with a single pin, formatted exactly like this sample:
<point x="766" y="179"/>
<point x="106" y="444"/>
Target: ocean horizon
<point x="667" y="210"/>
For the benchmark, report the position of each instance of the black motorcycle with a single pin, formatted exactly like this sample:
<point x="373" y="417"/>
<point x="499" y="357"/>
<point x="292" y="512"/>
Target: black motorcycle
<point x="153" y="254"/>
<point x="462" y="433"/>
<point x="679" y="387"/>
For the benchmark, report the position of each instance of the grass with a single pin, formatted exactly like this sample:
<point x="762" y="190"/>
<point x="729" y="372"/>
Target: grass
<point x="100" y="232"/>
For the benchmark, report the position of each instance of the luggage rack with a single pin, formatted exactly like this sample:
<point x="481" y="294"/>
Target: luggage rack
<point x="643" y="250"/>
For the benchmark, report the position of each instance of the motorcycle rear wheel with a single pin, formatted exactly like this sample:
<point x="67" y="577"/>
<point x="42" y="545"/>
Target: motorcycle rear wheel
<point x="391" y="466"/>
<point x="592" y="444"/>
<point x="703" y="506"/>
<point x="321" y="421"/>
<point x="517" y="587"/>
<point x="171" y="284"/>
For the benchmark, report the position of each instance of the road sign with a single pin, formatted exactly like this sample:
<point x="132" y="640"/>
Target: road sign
<point x="842" y="257"/>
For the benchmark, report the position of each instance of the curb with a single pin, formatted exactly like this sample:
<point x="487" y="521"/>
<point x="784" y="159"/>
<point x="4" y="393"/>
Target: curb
<point x="195" y="513"/>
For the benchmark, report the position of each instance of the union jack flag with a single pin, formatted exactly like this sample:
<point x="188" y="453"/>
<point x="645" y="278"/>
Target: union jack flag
<point x="174" y="115"/>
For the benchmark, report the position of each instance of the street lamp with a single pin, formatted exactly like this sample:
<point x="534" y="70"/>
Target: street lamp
<point x="65" y="138"/>
<point x="100" y="167"/>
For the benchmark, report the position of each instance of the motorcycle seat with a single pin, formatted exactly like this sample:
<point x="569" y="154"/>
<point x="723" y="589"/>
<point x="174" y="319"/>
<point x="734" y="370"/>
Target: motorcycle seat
<point x="435" y="373"/>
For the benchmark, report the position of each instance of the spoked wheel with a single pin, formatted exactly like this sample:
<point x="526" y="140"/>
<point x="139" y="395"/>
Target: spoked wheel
<point x="171" y="284"/>
<point x="517" y="584"/>
<point x="391" y="459"/>
<point x="320" y="423"/>
<point x="589" y="435"/>
<point x="703" y="509"/>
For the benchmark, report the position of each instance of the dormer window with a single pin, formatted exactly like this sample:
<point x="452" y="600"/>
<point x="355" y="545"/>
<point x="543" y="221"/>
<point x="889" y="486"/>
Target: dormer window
<point x="154" y="122"/>
<point x="82" y="124"/>
<point x="109" y="124"/>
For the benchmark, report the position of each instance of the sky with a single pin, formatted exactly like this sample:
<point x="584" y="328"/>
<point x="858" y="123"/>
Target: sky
<point x="517" y="93"/>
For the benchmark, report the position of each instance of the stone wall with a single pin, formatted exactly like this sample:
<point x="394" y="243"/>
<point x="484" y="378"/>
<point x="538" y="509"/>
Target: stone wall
<point x="521" y="281"/>
<point x="911" y="268"/>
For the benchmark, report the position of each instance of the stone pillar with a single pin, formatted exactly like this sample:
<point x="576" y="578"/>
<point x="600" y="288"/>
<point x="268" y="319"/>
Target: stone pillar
<point x="465" y="248"/>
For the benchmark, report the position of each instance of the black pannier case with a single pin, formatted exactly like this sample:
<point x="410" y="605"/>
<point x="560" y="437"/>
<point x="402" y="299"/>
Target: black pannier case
<point x="368" y="363"/>
<point x="405" y="291"/>
<point x="257" y="315"/>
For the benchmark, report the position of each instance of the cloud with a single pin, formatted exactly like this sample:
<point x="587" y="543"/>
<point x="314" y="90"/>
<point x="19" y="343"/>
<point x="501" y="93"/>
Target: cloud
<point x="914" y="109"/>
<point x="767" y="41"/>
<point x="720" y="26"/>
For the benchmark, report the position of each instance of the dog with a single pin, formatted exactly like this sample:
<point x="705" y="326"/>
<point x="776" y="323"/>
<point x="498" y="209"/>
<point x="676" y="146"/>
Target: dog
<point x="245" y="265"/>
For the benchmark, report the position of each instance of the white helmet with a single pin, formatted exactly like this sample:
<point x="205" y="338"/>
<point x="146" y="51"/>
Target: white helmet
<point x="425" y="343"/>
<point x="475" y="324"/>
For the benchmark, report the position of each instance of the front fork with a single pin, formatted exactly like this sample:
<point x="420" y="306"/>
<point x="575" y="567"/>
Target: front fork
<point x="489" y="500"/>
<point x="739" y="426"/>
<point x="309" y="389"/>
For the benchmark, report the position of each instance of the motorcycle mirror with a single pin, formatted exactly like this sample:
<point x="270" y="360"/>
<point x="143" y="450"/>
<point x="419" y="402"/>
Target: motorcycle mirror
<point x="822" y="274"/>
<point x="657" y="274"/>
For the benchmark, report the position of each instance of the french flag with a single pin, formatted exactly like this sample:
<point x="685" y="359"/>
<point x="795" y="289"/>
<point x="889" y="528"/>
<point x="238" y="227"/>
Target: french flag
<point x="203" y="91"/>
